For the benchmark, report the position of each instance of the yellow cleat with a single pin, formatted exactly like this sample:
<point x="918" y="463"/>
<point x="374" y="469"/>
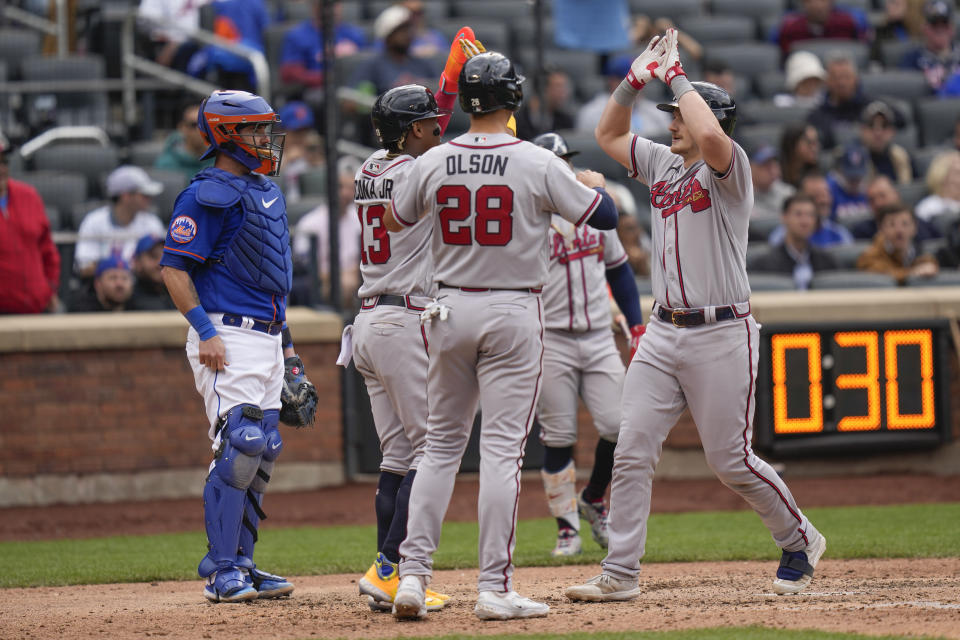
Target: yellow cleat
<point x="442" y="597"/>
<point x="380" y="584"/>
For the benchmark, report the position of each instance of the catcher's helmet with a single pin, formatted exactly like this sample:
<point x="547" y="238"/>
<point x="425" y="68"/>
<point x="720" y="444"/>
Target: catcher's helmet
<point x="489" y="82"/>
<point x="719" y="102"/>
<point x="395" y="110"/>
<point x="236" y="123"/>
<point x="554" y="142"/>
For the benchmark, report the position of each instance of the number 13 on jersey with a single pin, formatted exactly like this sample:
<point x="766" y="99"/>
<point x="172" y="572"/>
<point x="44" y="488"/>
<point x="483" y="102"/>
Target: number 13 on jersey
<point x="374" y="237"/>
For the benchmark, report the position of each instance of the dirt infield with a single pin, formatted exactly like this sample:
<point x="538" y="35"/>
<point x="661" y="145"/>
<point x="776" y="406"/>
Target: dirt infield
<point x="902" y="597"/>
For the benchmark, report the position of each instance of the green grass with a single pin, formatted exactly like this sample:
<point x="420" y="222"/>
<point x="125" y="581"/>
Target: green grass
<point x="907" y="531"/>
<point x="727" y="633"/>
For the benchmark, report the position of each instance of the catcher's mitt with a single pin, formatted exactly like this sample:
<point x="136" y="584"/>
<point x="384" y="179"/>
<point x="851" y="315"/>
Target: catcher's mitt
<point x="298" y="397"/>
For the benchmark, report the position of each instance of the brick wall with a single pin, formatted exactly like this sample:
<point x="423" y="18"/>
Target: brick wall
<point x="131" y="410"/>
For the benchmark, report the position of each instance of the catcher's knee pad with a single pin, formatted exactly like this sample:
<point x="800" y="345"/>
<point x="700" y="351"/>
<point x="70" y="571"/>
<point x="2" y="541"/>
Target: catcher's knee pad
<point x="561" y="490"/>
<point x="242" y="444"/>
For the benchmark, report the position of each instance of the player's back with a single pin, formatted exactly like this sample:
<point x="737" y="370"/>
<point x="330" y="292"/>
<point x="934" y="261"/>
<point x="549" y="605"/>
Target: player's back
<point x="492" y="195"/>
<point x="396" y="263"/>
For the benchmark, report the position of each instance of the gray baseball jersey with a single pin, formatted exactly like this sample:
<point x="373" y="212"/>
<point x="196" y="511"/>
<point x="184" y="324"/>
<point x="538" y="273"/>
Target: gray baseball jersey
<point x="389" y="346"/>
<point x="488" y="198"/>
<point x="580" y="357"/>
<point x="699" y="222"/>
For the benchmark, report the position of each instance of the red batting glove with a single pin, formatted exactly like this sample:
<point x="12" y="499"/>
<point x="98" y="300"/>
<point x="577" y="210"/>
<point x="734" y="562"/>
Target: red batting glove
<point x="464" y="45"/>
<point x="636" y="331"/>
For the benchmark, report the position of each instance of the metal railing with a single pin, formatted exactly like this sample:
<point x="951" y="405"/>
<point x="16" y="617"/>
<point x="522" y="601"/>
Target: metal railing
<point x="48" y="27"/>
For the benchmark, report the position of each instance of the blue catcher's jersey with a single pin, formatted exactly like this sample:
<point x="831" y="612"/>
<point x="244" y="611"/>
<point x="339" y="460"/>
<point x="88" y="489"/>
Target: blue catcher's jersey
<point x="198" y="240"/>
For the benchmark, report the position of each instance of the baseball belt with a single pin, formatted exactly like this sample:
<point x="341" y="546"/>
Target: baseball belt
<point x="695" y="317"/>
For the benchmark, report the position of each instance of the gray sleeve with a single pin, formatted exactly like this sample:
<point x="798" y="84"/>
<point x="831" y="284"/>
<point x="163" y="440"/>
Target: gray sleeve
<point x="566" y="195"/>
<point x="736" y="184"/>
<point x="647" y="159"/>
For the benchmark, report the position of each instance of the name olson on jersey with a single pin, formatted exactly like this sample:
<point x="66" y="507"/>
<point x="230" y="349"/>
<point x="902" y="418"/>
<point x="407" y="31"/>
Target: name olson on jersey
<point x="372" y="190"/>
<point x="477" y="163"/>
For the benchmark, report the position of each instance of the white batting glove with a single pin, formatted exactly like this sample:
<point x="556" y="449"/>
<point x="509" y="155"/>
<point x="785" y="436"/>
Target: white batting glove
<point x="644" y="65"/>
<point x="669" y="66"/>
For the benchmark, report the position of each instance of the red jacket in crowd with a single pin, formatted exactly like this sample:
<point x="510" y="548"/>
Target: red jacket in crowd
<point x="29" y="262"/>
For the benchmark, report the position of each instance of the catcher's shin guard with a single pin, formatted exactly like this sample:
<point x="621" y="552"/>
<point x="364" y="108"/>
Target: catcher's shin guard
<point x="242" y="443"/>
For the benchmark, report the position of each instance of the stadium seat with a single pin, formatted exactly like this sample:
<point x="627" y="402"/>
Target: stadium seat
<point x="765" y="281"/>
<point x="936" y="117"/>
<point x="54" y="217"/>
<point x="145" y="153"/>
<point x="505" y="10"/>
<point x="313" y="183"/>
<point x="673" y="9"/>
<point x="173" y="183"/>
<point x="273" y="37"/>
<point x="923" y="156"/>
<point x="753" y="135"/>
<point x="93" y="161"/>
<point x="723" y="28"/>
<point x="345" y="66"/>
<point x="846" y="255"/>
<point x="755" y="250"/>
<point x="434" y="9"/>
<point x="858" y="51"/>
<point x="495" y="33"/>
<point x="299" y="11"/>
<point x="850" y="279"/>
<point x="766" y="112"/>
<point x="748" y="58"/>
<point x="756" y="9"/>
<point x="59" y="189"/>
<point x="913" y="192"/>
<point x="592" y="157"/>
<point x="770" y="83"/>
<point x="580" y="66"/>
<point x="896" y="83"/>
<point x="946" y="278"/>
<point x="67" y="107"/>
<point x="80" y="210"/>
<point x="892" y="51"/>
<point x="943" y="223"/>
<point x="761" y="227"/>
<point x="17" y="44"/>
<point x="523" y="33"/>
<point x="296" y="210"/>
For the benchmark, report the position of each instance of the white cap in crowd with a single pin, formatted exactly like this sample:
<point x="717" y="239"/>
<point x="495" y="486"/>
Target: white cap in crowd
<point x="129" y="178"/>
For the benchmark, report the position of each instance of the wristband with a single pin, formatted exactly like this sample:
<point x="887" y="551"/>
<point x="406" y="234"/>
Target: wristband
<point x="287" y="339"/>
<point x="680" y="86"/>
<point x="199" y="320"/>
<point x="625" y="93"/>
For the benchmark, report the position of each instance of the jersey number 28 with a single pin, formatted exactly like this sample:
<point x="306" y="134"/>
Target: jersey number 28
<point x="378" y="251"/>
<point x="493" y="225"/>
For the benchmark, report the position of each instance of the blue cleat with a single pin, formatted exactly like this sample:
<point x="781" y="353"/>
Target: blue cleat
<point x="268" y="585"/>
<point x="229" y="585"/>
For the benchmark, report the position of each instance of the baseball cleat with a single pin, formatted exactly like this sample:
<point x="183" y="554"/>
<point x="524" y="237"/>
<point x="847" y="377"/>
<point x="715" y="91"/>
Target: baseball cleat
<point x="381" y="580"/>
<point x="269" y="585"/>
<point x="228" y="585"/>
<point x="410" y="601"/>
<point x="386" y="606"/>
<point x="796" y="567"/>
<point x="568" y="543"/>
<point x="596" y="514"/>
<point x="604" y="588"/>
<point x="499" y="605"/>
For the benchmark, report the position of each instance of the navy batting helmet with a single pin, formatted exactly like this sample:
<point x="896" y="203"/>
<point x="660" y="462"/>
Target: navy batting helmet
<point x="719" y="102"/>
<point x="554" y="142"/>
<point x="395" y="110"/>
<point x="489" y="82"/>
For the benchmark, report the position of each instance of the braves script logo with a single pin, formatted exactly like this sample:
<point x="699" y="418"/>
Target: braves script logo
<point x="183" y="229"/>
<point x="585" y="243"/>
<point x="689" y="193"/>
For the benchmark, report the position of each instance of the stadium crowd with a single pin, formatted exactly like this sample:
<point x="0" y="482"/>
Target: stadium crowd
<point x="849" y="112"/>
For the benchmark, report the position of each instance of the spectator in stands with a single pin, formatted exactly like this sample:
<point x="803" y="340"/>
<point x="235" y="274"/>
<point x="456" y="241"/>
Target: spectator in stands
<point x="804" y="76"/>
<point x="397" y="67"/>
<point x="893" y="250"/>
<point x="843" y="101"/>
<point x="115" y="228"/>
<point x="797" y="256"/>
<point x="301" y="62"/>
<point x="633" y="237"/>
<point x="817" y="19"/>
<point x="532" y="120"/>
<point x="644" y="28"/>
<point x="828" y="233"/>
<point x="241" y="22"/>
<point x="149" y="290"/>
<point x="29" y="262"/>
<point x="881" y="193"/>
<point x="302" y="150"/>
<point x="847" y="183"/>
<point x="169" y="23"/>
<point x="939" y="56"/>
<point x="901" y="22"/>
<point x="949" y="255"/>
<point x="646" y="120"/>
<point x="427" y="42"/>
<point x="943" y="182"/>
<point x="183" y="148"/>
<point x="877" y="125"/>
<point x="769" y="190"/>
<point x="111" y="291"/>
<point x="316" y="224"/>
<point x="799" y="152"/>
<point x="720" y="74"/>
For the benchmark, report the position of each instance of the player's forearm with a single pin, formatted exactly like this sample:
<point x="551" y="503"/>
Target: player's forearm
<point x="180" y="287"/>
<point x="625" y="292"/>
<point x="614" y="125"/>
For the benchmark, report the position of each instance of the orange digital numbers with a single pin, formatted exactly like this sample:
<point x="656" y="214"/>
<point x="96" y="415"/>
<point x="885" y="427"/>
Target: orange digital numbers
<point x="869" y="380"/>
<point x="779" y="344"/>
<point x="923" y="338"/>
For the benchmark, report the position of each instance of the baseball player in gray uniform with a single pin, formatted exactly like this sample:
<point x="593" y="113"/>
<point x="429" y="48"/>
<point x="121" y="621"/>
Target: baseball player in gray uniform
<point x="700" y="348"/>
<point x="488" y="198"/>
<point x="581" y="359"/>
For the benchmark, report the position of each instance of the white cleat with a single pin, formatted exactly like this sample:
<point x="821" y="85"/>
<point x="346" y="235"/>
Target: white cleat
<point x="410" y="603"/>
<point x="499" y="605"/>
<point x="596" y="514"/>
<point x="568" y="543"/>
<point x="604" y="588"/>
<point x="796" y="567"/>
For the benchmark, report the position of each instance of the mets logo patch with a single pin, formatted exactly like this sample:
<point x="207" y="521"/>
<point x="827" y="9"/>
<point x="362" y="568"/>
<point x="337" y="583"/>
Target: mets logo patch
<point x="183" y="229"/>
